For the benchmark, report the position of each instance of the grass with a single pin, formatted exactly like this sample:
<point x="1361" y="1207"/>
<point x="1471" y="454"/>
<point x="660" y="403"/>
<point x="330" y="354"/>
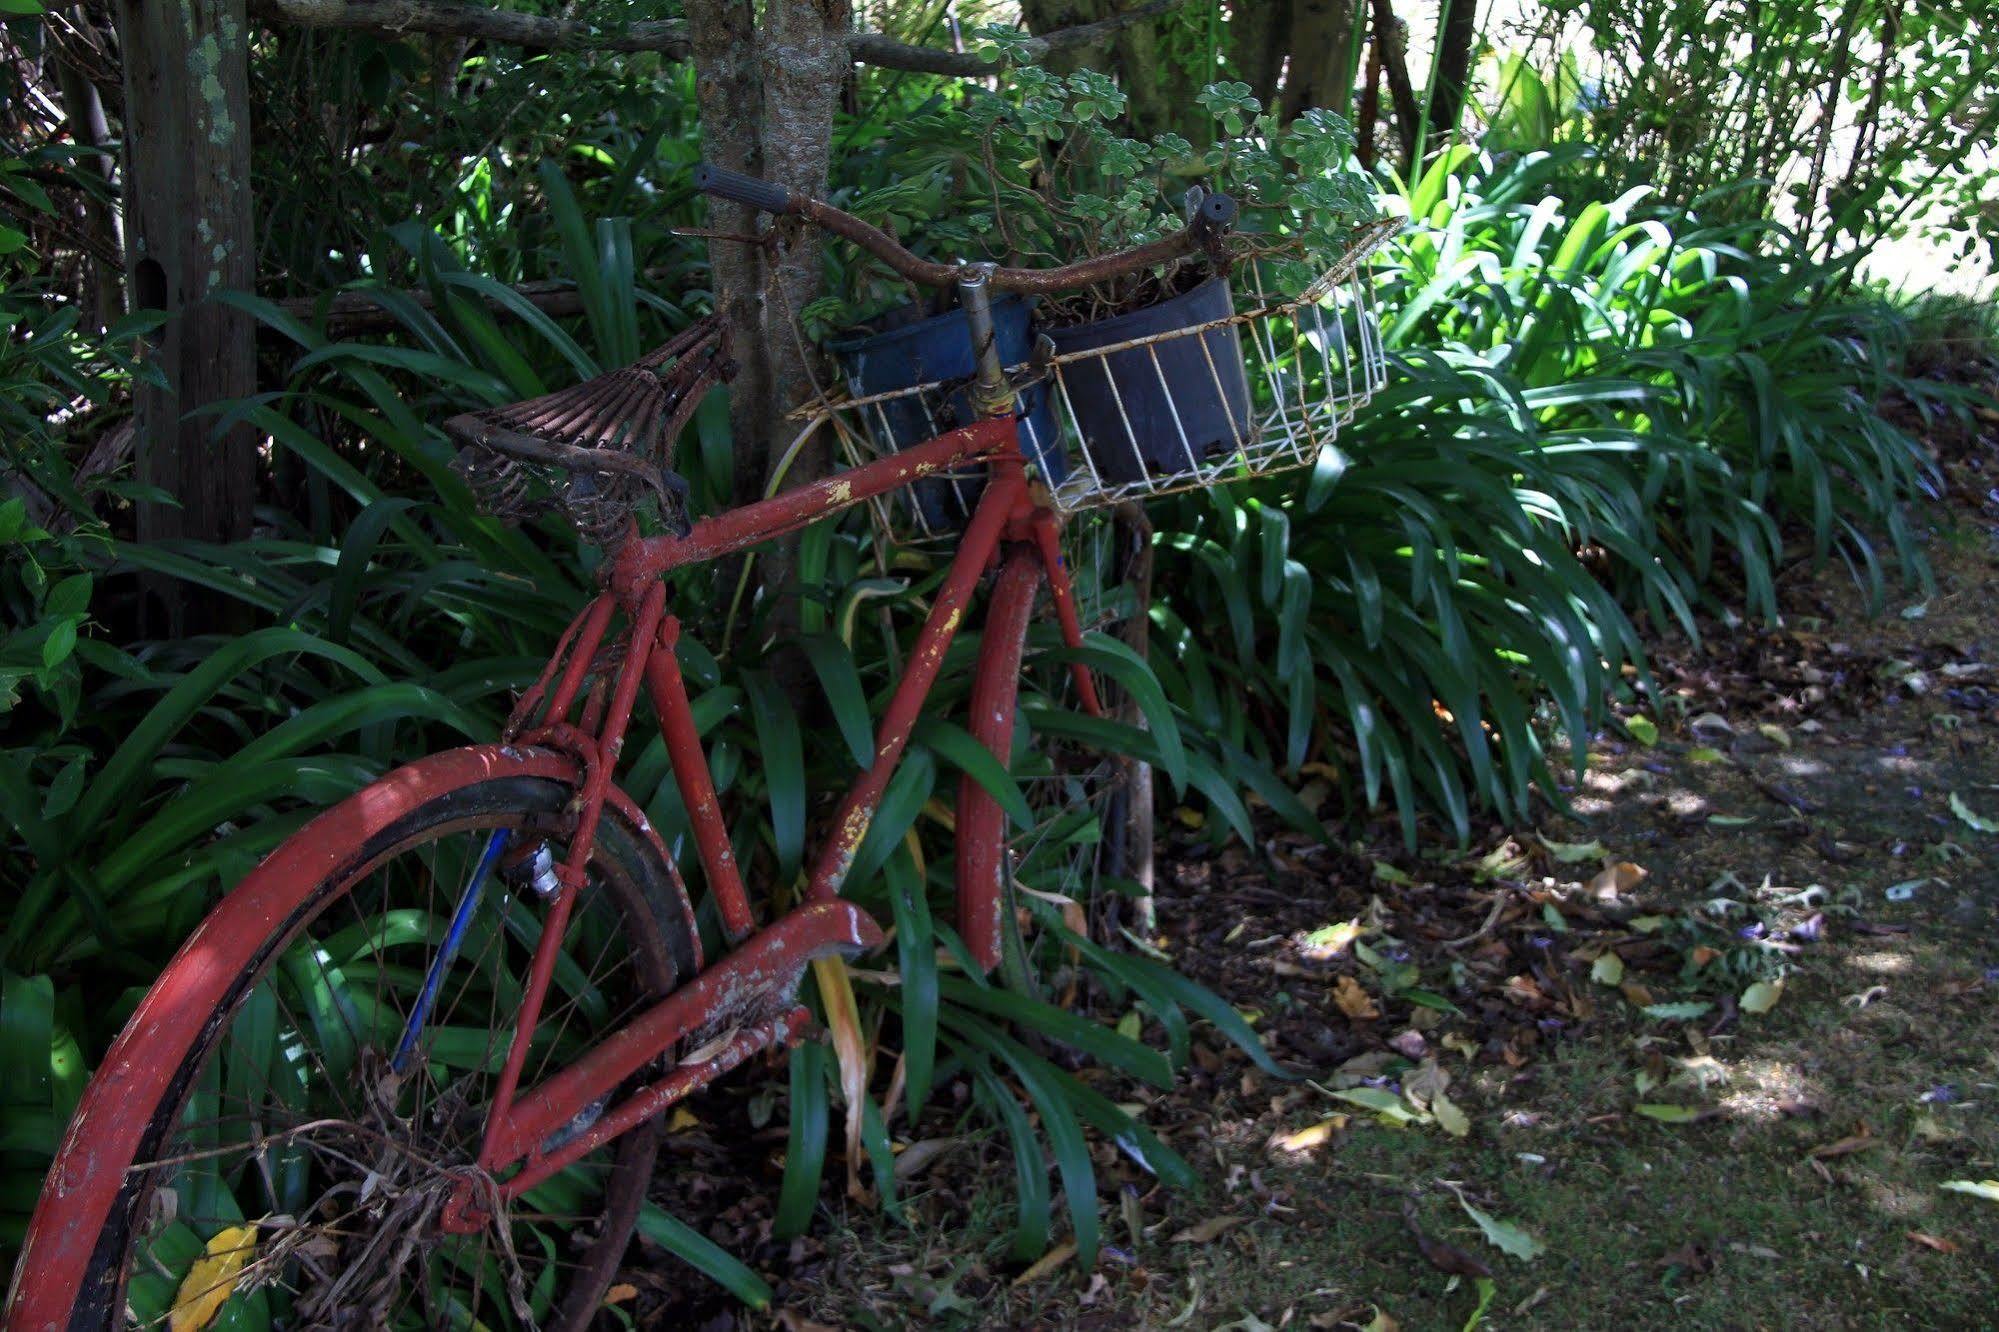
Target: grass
<point x="1726" y="1223"/>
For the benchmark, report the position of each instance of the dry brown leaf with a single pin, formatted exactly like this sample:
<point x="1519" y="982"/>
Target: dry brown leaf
<point x="621" y="1292"/>
<point x="1616" y="880"/>
<point x="1047" y="1263"/>
<point x="707" y="1050"/>
<point x="1936" y="1242"/>
<point x="1354" y="1001"/>
<point x="1210" y="1230"/>
<point x="1858" y="1141"/>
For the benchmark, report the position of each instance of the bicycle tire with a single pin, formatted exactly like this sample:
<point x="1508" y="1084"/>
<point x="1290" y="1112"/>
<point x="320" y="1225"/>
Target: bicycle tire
<point x="77" y="1261"/>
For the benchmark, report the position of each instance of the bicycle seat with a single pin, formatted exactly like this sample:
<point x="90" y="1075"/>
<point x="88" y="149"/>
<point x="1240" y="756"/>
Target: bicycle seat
<point x="613" y="434"/>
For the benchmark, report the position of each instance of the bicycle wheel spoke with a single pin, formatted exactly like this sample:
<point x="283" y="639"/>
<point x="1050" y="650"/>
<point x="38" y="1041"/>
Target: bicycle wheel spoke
<point x="299" y="1127"/>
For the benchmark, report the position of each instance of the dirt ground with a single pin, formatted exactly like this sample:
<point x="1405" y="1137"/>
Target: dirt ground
<point x="1705" y="1052"/>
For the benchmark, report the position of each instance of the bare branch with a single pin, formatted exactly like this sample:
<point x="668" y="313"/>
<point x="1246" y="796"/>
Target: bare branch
<point x="872" y="48"/>
<point x="442" y="18"/>
<point x="445" y="18"/>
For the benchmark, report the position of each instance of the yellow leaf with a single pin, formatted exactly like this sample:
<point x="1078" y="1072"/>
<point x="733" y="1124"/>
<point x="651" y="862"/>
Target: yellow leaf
<point x="843" y="1020"/>
<point x="1192" y="818"/>
<point x="1048" y="1262"/>
<point x="1305" y="1139"/>
<point x="683" y="1119"/>
<point x="1762" y="996"/>
<point x="1449" y="1118"/>
<point x="212" y="1280"/>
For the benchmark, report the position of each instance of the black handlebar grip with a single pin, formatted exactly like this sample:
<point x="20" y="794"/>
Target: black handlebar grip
<point x="738" y="188"/>
<point x="1217" y="210"/>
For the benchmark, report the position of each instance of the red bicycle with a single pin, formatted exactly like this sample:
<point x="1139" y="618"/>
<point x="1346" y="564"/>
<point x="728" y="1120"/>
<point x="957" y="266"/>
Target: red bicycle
<point x="442" y="1021"/>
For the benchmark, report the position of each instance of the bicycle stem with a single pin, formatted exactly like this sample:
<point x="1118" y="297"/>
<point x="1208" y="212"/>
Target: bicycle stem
<point x="992" y="395"/>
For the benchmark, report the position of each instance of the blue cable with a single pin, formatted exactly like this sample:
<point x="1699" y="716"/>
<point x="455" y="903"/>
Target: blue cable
<point x="461" y="919"/>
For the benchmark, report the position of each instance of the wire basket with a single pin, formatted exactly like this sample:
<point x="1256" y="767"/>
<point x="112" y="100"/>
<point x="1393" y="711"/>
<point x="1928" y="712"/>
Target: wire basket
<point x="1233" y="394"/>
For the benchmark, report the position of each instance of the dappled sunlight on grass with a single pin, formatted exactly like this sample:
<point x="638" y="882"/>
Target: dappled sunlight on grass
<point x="1764" y="1089"/>
<point x="1880" y="963"/>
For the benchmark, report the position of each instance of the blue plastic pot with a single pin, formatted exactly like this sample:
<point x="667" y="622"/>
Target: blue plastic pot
<point x="1163" y="417"/>
<point x="940" y="348"/>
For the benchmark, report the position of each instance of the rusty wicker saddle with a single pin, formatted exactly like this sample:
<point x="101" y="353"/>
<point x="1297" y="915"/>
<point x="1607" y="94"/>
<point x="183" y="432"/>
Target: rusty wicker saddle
<point x="597" y="450"/>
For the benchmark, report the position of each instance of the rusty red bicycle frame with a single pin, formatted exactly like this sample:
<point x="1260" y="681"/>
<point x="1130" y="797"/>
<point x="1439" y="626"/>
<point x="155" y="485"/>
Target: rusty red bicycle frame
<point x="536" y="1129"/>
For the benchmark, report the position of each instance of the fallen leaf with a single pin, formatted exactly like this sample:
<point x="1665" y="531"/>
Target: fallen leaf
<point x="1047" y="1263"/>
<point x="1382" y="1321"/>
<point x="1971" y="820"/>
<point x="1679" y="1012"/>
<point x="1504" y="1235"/>
<point x="1449" y="1118"/>
<point x="1858" y="1141"/>
<point x="625" y="1290"/>
<point x="920" y="1155"/>
<point x="1330" y="940"/>
<point x="212" y="1280"/>
<point x="1608" y="969"/>
<point x="1617" y="879"/>
<point x="1762" y="996"/>
<point x="1353" y="1000"/>
<point x="682" y="1120"/>
<point x="1208" y="1231"/>
<point x="1982" y="1188"/>
<point x="1441" y="1255"/>
<point x="1317" y="1135"/>
<point x="1386" y="1104"/>
<point x="1675" y="1114"/>
<point x="1642" y="728"/>
<point x="1574" y="853"/>
<point x="1936" y="1242"/>
<point x="707" y="1050"/>
<point x="1704" y="754"/>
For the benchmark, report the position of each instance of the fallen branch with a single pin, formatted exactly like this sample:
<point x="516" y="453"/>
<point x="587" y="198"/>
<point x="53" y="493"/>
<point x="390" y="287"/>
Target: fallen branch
<point x="669" y="37"/>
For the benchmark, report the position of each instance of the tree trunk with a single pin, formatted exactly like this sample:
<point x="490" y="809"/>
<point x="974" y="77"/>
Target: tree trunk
<point x="188" y="234"/>
<point x="1257" y="33"/>
<point x="1160" y="89"/>
<point x="767" y="95"/>
<point x="1456" y="28"/>
<point x="1391" y="45"/>
<point x="805" y="66"/>
<point x="724" y="40"/>
<point x="1321" y="48"/>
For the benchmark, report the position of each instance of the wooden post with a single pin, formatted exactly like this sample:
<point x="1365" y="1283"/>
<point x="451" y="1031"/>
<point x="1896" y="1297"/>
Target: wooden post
<point x="188" y="235"/>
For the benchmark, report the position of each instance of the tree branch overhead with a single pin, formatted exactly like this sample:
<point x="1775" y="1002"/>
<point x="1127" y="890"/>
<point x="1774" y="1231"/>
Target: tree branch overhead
<point x="669" y="37"/>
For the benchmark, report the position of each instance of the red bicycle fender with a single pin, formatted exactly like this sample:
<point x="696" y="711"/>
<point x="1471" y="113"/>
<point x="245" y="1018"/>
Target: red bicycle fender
<point x="90" y="1166"/>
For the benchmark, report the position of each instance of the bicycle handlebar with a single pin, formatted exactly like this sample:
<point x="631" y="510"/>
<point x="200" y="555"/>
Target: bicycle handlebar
<point x="1211" y="221"/>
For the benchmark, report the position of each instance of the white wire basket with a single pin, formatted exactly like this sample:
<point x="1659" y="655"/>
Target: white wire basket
<point x="1243" y="393"/>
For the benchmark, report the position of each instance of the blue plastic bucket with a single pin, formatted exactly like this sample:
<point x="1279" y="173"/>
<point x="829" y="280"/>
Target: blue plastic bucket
<point x="940" y="348"/>
<point x="1139" y="417"/>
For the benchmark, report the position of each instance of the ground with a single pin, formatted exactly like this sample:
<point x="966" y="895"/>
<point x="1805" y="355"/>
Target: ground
<point x="1709" y="1048"/>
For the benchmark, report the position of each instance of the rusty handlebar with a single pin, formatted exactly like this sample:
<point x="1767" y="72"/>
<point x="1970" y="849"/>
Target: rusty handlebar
<point x="1210" y="223"/>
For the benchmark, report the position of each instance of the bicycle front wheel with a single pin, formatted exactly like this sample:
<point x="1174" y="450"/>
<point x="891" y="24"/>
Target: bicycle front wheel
<point x="291" y="1163"/>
